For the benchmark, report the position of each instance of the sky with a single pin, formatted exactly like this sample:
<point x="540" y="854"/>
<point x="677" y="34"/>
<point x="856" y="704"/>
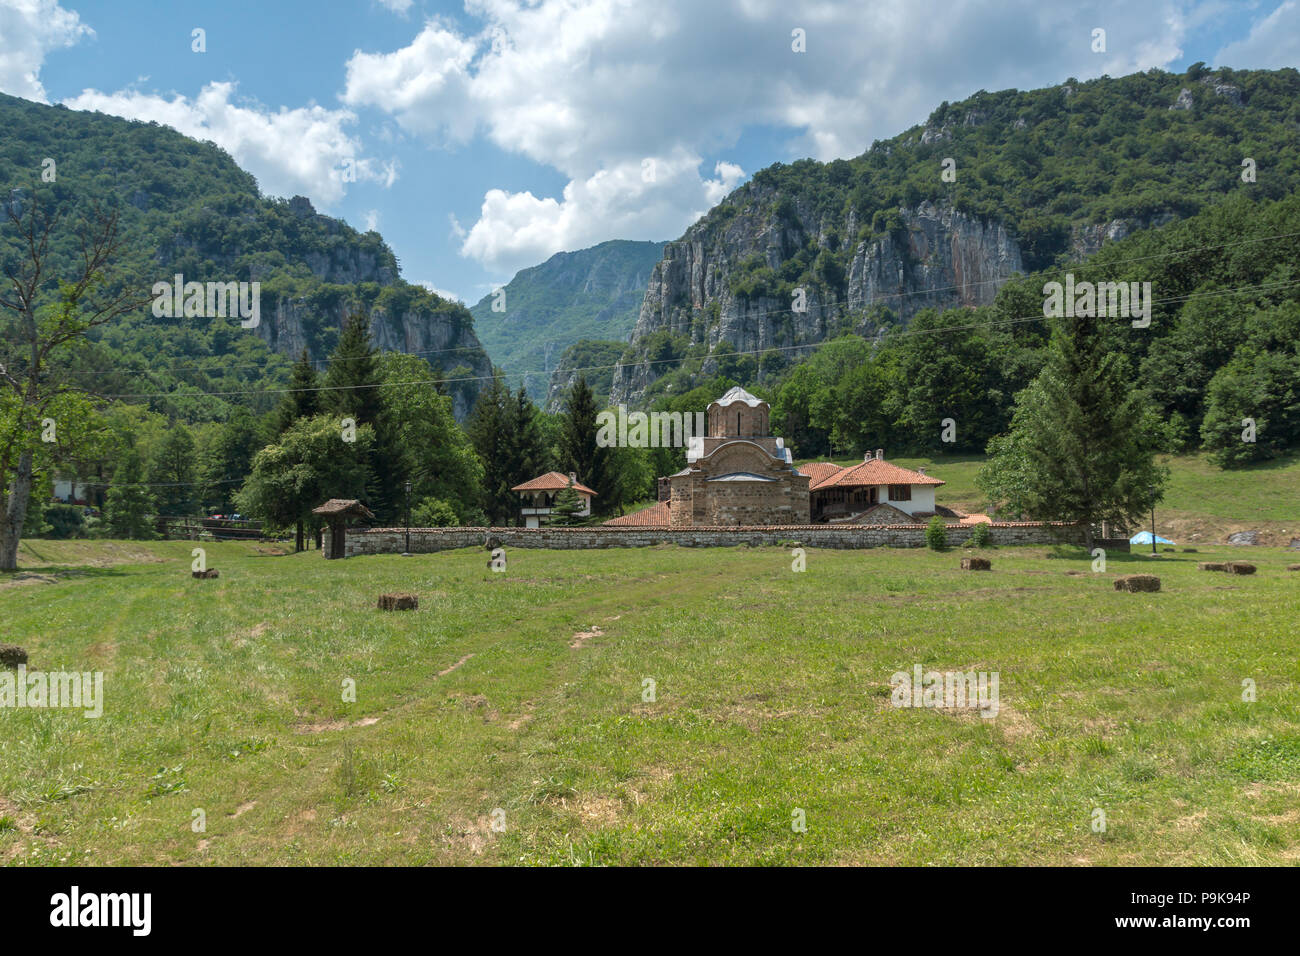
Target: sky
<point x="482" y="137"/>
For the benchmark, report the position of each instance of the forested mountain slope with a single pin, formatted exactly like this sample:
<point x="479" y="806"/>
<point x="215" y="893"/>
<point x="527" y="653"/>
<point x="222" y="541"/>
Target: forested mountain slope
<point x="187" y="208"/>
<point x="1035" y="178"/>
<point x="593" y="293"/>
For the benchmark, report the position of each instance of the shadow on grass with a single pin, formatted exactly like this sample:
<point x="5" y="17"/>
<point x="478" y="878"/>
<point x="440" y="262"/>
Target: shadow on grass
<point x="1070" y="552"/>
<point x="59" y="572"/>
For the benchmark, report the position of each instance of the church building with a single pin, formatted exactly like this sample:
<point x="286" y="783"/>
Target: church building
<point x="738" y="473"/>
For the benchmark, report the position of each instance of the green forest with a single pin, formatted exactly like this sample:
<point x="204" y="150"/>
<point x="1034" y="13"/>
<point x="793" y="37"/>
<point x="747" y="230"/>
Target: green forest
<point x="191" y="417"/>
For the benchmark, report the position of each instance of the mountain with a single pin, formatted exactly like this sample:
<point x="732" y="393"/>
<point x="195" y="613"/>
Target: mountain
<point x="593" y="293"/>
<point x="1033" y="179"/>
<point x="594" y="360"/>
<point x="187" y="208"/>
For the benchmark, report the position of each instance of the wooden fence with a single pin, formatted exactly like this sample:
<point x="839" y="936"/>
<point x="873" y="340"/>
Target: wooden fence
<point x="221" y="529"/>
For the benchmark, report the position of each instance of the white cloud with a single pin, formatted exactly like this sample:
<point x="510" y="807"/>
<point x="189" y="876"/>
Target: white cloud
<point x="372" y="220"/>
<point x="1274" y="42"/>
<point x="590" y="87"/>
<point x="450" y="296"/>
<point x="423" y="85"/>
<point x="654" y="196"/>
<point x="29" y="29"/>
<point x="304" y="150"/>
<point x="402" y="7"/>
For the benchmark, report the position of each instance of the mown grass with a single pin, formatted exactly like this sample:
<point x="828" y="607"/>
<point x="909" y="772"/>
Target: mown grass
<point x="771" y="695"/>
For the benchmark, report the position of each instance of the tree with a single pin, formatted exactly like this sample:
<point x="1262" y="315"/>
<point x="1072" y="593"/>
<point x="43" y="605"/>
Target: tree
<point x="487" y="430"/>
<point x="440" y="458"/>
<point x="172" y="473"/>
<point x="310" y="464"/>
<point x="228" y="457"/>
<point x="566" y="507"/>
<point x="1252" y="412"/>
<point x="353" y="389"/>
<point x="1082" y="441"/>
<point x="351" y="385"/>
<point x="39" y="326"/>
<point x="129" y="504"/>
<point x="578" y="434"/>
<point x="303" y="399"/>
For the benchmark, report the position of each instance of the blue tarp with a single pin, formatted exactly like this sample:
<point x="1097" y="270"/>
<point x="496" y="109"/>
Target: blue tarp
<point x="1144" y="537"/>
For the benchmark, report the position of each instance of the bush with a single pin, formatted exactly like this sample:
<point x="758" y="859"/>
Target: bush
<point x="65" y="521"/>
<point x="936" y="534"/>
<point x="434" y="513"/>
<point x="980" y="536"/>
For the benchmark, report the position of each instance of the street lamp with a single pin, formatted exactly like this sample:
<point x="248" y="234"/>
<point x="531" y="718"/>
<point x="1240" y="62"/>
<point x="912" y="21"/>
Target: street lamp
<point x="1152" y="489"/>
<point x="407" y="552"/>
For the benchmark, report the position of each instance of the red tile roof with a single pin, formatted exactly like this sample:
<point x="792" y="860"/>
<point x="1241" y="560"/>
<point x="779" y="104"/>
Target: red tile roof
<point x="819" y="471"/>
<point x="874" y="472"/>
<point x="552" y="481"/>
<point x="656" y="516"/>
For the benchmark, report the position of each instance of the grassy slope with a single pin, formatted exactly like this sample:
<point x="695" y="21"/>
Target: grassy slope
<point x="772" y="695"/>
<point x="1203" y="503"/>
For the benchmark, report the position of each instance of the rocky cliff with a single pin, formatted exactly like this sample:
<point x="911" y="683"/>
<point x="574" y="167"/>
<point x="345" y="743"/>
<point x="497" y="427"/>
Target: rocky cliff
<point x="939" y="258"/>
<point x="943" y="214"/>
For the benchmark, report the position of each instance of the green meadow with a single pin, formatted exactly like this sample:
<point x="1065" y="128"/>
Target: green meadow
<point x="509" y="719"/>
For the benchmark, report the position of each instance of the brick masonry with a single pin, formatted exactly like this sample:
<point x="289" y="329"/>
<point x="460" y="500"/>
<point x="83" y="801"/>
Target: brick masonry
<point x="428" y="540"/>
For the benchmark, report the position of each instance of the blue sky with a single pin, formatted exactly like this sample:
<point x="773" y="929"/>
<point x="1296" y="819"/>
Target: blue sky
<point x="487" y="135"/>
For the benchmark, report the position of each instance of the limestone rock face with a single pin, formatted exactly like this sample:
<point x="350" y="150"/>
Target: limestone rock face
<point x="940" y="258"/>
<point x="290" y="325"/>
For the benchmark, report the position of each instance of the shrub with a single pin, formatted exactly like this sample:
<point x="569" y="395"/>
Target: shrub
<point x="434" y="513"/>
<point x="980" y="536"/>
<point x="936" y="534"/>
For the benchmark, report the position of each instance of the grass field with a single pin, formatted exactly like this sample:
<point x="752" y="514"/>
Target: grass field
<point x="523" y="692"/>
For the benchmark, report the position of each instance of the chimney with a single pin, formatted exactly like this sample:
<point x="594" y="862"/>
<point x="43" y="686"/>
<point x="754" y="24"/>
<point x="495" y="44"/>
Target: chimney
<point x="880" y="454"/>
<point x="920" y="471"/>
<point x="573" y="477"/>
<point x="867" y="457"/>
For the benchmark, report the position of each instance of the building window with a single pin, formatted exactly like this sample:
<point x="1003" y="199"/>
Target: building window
<point x="900" y="492"/>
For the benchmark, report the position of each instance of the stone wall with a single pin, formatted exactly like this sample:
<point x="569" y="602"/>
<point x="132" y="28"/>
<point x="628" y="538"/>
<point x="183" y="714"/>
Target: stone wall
<point x="426" y="540"/>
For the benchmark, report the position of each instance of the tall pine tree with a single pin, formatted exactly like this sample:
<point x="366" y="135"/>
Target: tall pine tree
<point x="352" y="390"/>
<point x="1083" y="438"/>
<point x="578" y="434"/>
<point x="490" y="431"/>
<point x="303" y="400"/>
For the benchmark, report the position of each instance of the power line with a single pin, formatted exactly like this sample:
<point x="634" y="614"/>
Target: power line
<point x="890" y="295"/>
<point x="649" y="362"/>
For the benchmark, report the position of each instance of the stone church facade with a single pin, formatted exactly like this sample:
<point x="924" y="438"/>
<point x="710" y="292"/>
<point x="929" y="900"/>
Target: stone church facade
<point x="738" y="473"/>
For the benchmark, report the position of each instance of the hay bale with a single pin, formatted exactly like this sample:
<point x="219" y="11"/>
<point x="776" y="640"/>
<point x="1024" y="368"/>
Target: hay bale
<point x="11" y="655"/>
<point x="398" y="602"/>
<point x="1212" y="566"/>
<point x="976" y="564"/>
<point x="1241" y="567"/>
<point x="209" y="573"/>
<point x="1137" y="582"/>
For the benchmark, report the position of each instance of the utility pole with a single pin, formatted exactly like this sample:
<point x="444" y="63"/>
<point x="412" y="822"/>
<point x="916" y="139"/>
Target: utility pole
<point x="407" y="552"/>
<point x="1153" y="520"/>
